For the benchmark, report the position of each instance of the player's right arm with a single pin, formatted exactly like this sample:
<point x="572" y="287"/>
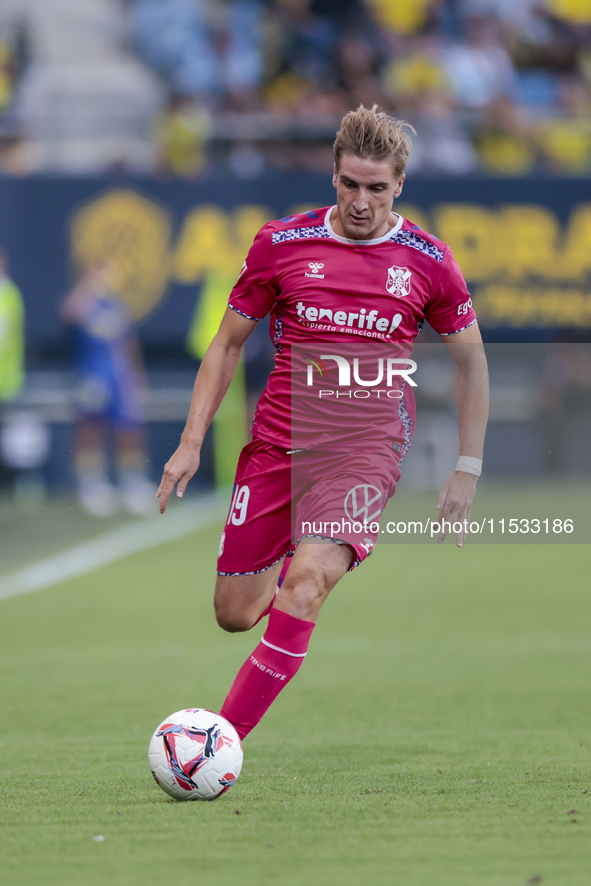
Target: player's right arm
<point x="213" y="380"/>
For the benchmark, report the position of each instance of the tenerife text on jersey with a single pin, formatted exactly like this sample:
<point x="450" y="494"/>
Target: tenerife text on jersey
<point x="363" y="319"/>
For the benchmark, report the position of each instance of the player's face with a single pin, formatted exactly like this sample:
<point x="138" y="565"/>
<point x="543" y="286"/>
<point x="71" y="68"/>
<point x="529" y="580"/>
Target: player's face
<point x="366" y="189"/>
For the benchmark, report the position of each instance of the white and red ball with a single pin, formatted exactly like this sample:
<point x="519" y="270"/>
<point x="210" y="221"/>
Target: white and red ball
<point x="195" y="755"/>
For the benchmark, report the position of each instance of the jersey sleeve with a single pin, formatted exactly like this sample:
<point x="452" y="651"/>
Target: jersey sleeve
<point x="257" y="287"/>
<point x="450" y="308"/>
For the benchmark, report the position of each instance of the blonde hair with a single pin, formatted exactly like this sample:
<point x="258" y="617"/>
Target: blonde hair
<point x="372" y="134"/>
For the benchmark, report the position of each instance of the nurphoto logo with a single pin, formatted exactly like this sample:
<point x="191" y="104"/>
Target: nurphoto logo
<point x="387" y="369"/>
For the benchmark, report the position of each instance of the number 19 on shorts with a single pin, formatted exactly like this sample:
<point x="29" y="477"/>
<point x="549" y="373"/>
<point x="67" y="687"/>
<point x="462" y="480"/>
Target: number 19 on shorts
<point x="237" y="514"/>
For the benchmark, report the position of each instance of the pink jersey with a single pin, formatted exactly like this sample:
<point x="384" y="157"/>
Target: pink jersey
<point x="328" y="295"/>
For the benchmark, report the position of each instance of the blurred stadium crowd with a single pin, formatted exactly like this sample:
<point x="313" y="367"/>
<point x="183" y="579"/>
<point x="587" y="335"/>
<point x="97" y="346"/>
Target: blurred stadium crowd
<point x="183" y="86"/>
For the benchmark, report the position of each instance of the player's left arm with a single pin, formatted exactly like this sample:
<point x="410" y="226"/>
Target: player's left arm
<point x="454" y="502"/>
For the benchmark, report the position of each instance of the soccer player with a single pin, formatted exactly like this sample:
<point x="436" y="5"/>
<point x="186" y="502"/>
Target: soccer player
<point x="352" y="276"/>
<point x="112" y="379"/>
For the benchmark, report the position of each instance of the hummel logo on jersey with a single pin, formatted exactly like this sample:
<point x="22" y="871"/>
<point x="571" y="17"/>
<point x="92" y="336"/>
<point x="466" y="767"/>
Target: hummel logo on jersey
<point x="243" y="269"/>
<point x="398" y="282"/>
<point x="315" y="266"/>
<point x="363" y="501"/>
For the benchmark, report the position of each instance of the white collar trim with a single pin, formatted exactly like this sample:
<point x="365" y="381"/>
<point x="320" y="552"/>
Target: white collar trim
<point x="373" y="242"/>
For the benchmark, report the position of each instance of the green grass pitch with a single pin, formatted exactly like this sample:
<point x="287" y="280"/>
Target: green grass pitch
<point x="437" y="735"/>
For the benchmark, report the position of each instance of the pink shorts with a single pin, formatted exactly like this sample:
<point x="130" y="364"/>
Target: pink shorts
<point x="281" y="498"/>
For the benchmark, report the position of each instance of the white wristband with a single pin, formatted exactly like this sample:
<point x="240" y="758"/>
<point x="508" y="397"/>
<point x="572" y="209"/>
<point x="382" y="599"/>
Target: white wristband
<point x="469" y="465"/>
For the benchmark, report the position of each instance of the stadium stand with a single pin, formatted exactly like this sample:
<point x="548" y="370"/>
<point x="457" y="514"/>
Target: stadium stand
<point x="83" y="102"/>
<point x="179" y="85"/>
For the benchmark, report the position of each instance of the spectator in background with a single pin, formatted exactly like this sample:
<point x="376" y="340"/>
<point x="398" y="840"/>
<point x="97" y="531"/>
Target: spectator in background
<point x="403" y="19"/>
<point x="505" y="139"/>
<point x="418" y="85"/>
<point x="12" y="335"/>
<point x="172" y="37"/>
<point x="238" y="38"/>
<point x="6" y="74"/>
<point x="112" y="379"/>
<point x="181" y="135"/>
<point x="575" y="12"/>
<point x="360" y="60"/>
<point x="301" y="55"/>
<point x="480" y="68"/>
<point x="207" y="51"/>
<point x="565" y="138"/>
<point x="443" y="141"/>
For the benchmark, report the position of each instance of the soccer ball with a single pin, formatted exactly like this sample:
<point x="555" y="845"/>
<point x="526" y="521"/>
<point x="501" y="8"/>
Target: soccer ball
<point x="195" y="755"/>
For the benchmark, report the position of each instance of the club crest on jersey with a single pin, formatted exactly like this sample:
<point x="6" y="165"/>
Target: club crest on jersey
<point x="398" y="282"/>
<point x="315" y="267"/>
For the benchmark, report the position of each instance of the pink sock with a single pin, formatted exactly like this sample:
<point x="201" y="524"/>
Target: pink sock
<point x="267" y="671"/>
<point x="280" y="581"/>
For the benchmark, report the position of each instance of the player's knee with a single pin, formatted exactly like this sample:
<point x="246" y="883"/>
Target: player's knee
<point x="306" y="587"/>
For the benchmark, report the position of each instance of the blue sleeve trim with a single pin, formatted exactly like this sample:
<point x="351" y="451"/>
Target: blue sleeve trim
<point x="242" y="314"/>
<point x="455" y="332"/>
